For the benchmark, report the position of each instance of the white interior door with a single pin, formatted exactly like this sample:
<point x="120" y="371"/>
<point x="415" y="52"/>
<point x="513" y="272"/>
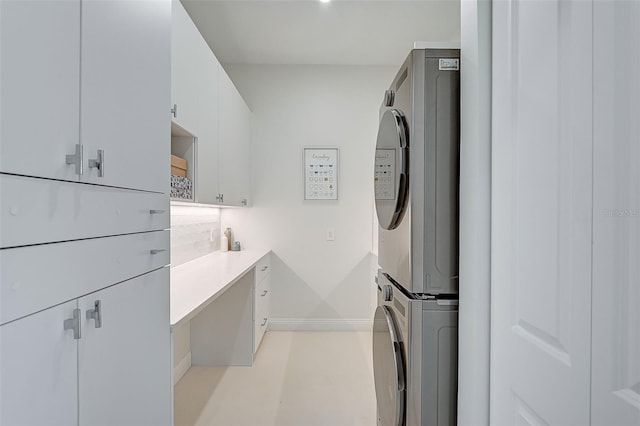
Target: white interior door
<point x="616" y="221"/>
<point x="125" y="364"/>
<point x="541" y="213"/>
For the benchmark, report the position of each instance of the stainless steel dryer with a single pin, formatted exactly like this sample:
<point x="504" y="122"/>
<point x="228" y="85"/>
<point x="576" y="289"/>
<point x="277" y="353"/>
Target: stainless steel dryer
<point x="417" y="173"/>
<point x="415" y="348"/>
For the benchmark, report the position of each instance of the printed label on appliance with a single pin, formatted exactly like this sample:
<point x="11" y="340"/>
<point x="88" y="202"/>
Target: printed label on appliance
<point x="385" y="174"/>
<point x="449" y="64"/>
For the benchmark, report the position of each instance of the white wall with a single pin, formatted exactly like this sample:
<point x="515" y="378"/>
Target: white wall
<point x="316" y="283"/>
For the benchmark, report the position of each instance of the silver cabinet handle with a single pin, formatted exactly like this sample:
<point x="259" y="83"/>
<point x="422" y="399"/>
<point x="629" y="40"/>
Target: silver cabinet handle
<point x="263" y="322"/>
<point x="77" y="158"/>
<point x="174" y="110"/>
<point x="264" y="293"/>
<point x="156" y="251"/>
<point x="96" y="314"/>
<point x="98" y="163"/>
<point x="153" y="211"/>
<point x="264" y="268"/>
<point x="74" y="324"/>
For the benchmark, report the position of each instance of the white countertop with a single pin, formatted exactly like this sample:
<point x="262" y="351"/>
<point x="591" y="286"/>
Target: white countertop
<point x="197" y="283"/>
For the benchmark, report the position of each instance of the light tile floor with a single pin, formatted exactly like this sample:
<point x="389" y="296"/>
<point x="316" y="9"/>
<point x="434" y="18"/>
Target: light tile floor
<point x="297" y="379"/>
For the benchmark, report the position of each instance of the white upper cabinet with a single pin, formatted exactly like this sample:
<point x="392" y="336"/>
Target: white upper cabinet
<point x="40" y="87"/>
<point x="210" y="108"/>
<point x="185" y="61"/>
<point x="234" y="143"/>
<point x="100" y="119"/>
<point x="207" y="144"/>
<point x="126" y="48"/>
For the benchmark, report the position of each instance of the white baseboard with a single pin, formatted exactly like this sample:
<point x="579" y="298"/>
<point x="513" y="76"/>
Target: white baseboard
<point x="182" y="367"/>
<point x="303" y="324"/>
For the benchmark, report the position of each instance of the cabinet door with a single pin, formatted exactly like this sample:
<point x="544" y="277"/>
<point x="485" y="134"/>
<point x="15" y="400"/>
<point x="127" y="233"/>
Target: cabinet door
<point x="234" y="143"/>
<point x="40" y="86"/>
<point x="125" y="105"/>
<point x="38" y="369"/>
<point x="125" y="364"/>
<point x="207" y="150"/>
<point x="184" y="68"/>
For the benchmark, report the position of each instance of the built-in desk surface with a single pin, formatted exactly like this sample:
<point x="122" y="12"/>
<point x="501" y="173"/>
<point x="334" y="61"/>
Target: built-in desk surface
<point x="197" y="283"/>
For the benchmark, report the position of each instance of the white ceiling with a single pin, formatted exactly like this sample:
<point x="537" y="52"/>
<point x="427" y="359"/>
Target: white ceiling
<point x="345" y="32"/>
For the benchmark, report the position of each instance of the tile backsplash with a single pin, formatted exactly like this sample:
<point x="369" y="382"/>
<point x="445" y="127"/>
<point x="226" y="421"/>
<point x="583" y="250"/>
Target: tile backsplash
<point x="192" y="232"/>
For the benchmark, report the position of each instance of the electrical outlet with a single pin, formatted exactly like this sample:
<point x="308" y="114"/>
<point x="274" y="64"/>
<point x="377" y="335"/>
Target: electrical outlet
<point x="331" y="235"/>
<point x="211" y="235"/>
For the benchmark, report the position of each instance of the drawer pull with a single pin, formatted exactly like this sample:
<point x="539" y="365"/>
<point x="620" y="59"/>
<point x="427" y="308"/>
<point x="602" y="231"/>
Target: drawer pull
<point x="156" y="251"/>
<point x="264" y="293"/>
<point x="263" y="322"/>
<point x="264" y="268"/>
<point x="153" y="211"/>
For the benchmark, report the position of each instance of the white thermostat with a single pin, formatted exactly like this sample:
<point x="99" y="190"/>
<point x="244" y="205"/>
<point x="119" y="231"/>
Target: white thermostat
<point x="320" y="173"/>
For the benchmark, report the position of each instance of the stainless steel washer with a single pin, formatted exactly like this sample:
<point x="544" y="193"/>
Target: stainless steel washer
<point x="415" y="352"/>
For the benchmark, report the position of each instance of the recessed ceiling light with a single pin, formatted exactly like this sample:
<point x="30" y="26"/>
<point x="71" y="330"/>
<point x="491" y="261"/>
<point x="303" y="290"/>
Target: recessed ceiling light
<point x="325" y="1"/>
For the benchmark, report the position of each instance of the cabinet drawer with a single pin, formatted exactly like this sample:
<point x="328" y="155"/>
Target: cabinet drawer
<point x="36" y="211"/>
<point x="261" y="310"/>
<point x="263" y="295"/>
<point x="261" y="322"/>
<point x="37" y="277"/>
<point x="263" y="268"/>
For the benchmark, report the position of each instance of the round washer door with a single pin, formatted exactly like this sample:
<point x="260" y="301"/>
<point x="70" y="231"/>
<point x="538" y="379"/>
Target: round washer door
<point x="388" y="369"/>
<point x="391" y="175"/>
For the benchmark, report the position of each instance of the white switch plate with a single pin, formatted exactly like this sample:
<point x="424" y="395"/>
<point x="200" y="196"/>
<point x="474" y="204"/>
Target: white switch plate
<point x="331" y="235"/>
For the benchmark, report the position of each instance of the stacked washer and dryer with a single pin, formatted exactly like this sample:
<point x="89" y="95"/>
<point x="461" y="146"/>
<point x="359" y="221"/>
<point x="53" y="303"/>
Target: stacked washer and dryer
<point x="415" y="335"/>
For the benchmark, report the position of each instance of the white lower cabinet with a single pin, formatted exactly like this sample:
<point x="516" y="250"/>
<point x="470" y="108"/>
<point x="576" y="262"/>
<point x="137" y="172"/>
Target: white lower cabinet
<point x="262" y="296"/>
<point x="39" y="369"/>
<point x="124" y="360"/>
<point x="87" y="362"/>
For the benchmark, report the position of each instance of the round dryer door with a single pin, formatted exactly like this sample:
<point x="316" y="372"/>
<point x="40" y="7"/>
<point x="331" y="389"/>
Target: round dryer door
<point x="388" y="369"/>
<point x="391" y="175"/>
